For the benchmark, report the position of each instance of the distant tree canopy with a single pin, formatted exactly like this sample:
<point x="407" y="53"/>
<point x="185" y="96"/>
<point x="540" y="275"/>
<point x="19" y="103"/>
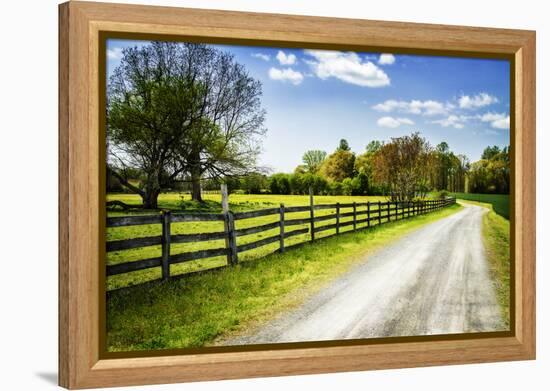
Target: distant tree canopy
<point x="181" y="112"/>
<point x="343" y="145"/>
<point x="340" y="164"/>
<point x="313" y="160"/>
<point x="403" y="166"/>
<point x="491" y="174"/>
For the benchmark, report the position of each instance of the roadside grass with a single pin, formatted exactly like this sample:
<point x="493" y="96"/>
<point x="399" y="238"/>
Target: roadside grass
<point x="496" y="238"/>
<point x="238" y="203"/>
<point x="500" y="202"/>
<point x="197" y="310"/>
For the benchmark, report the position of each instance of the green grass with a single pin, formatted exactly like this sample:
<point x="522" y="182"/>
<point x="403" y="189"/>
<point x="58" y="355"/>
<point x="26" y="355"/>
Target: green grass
<point x="238" y="203"/>
<point x="496" y="238"/>
<point x="198" y="310"/>
<point x="499" y="202"/>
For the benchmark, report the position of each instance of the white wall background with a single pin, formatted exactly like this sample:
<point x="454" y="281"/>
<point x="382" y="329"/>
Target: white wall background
<point x="28" y="181"/>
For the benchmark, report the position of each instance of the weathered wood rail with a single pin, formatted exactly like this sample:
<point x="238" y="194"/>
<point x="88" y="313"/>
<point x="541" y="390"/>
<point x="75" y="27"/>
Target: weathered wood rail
<point x="363" y="215"/>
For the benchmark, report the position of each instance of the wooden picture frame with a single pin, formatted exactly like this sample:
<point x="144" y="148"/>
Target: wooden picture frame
<point x="81" y="301"/>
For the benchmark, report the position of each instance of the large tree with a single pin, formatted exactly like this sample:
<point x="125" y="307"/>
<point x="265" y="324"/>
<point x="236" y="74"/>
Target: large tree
<point x="313" y="160"/>
<point x="180" y="111"/>
<point x="364" y="165"/>
<point x="339" y="165"/>
<point x="402" y="165"/>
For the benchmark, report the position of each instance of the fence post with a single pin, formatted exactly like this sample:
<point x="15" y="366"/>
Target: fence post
<point x="397" y="211"/>
<point x="311" y="215"/>
<point x="354" y="216"/>
<point x="368" y="214"/>
<point x="337" y="218"/>
<point x="232" y="239"/>
<point x="379" y="213"/>
<point x="282" y="228"/>
<point x="228" y="223"/>
<point x="165" y="241"/>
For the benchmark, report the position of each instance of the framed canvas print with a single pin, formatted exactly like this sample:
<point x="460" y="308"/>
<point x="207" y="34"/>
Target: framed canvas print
<point x="247" y="195"/>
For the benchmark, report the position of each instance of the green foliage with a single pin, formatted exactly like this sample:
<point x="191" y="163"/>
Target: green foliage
<point x="313" y="160"/>
<point x="360" y="184"/>
<point x="254" y="183"/>
<point x="441" y="194"/>
<point x="343" y="145"/>
<point x="280" y="183"/>
<point x="339" y="165"/>
<point x="347" y="186"/>
<point x="491" y="175"/>
<point x="336" y="188"/>
<point x="490" y="152"/>
<point x="374" y="146"/>
<point x="300" y="184"/>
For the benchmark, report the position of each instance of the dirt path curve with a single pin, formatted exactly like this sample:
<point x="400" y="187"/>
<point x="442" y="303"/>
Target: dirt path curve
<point x="432" y="281"/>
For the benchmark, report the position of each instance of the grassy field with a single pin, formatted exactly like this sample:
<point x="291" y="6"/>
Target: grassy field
<point x="500" y="202"/>
<point x="496" y="238"/>
<point x="238" y="203"/>
<point x="196" y="310"/>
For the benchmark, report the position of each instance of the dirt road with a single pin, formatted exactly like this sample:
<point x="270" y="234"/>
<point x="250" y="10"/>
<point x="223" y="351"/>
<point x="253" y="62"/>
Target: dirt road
<point x="432" y="281"/>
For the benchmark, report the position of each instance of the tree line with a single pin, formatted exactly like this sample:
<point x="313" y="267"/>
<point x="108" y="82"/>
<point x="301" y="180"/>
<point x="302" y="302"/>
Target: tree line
<point x="405" y="168"/>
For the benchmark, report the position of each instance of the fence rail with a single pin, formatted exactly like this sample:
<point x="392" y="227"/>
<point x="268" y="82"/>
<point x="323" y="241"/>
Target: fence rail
<point x="375" y="213"/>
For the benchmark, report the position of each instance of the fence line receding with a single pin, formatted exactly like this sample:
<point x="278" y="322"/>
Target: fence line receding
<point x="357" y="215"/>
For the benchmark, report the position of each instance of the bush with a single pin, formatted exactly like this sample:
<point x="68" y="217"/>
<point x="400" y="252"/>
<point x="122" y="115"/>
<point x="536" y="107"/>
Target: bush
<point x="441" y="194"/>
<point x="347" y="186"/>
<point x="279" y="183"/>
<point x="335" y="188"/>
<point x="254" y="183"/>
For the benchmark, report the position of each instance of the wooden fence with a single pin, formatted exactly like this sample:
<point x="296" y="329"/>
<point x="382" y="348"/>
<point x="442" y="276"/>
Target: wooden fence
<point x="358" y="215"/>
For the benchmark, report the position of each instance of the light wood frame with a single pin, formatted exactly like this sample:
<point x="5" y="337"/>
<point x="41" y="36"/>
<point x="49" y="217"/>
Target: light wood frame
<point x="80" y="243"/>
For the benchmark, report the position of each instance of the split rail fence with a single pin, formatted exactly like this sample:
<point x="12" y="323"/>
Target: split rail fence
<point x="356" y="215"/>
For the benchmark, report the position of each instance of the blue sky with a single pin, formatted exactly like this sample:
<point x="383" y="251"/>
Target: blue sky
<point x="314" y="98"/>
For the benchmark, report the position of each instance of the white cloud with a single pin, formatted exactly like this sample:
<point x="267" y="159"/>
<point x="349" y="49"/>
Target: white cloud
<point x="114" y="53"/>
<point x="386" y="59"/>
<point x="347" y="67"/>
<point x="480" y="100"/>
<point x="390" y="122"/>
<point x="261" y="56"/>
<point x="497" y="120"/>
<point x="287" y="74"/>
<point x="286" y="59"/>
<point x="427" y="107"/>
<point x="452" y="120"/>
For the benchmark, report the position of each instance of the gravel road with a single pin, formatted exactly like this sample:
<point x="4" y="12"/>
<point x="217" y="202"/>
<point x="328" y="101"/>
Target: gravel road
<point x="432" y="281"/>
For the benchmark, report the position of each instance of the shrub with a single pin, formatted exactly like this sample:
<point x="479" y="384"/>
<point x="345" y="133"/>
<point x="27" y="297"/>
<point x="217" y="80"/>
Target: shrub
<point x="441" y="194"/>
<point x="279" y="184"/>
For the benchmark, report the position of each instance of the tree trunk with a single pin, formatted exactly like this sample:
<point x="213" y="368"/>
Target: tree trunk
<point x="150" y="198"/>
<point x="195" y="171"/>
<point x="196" y="186"/>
